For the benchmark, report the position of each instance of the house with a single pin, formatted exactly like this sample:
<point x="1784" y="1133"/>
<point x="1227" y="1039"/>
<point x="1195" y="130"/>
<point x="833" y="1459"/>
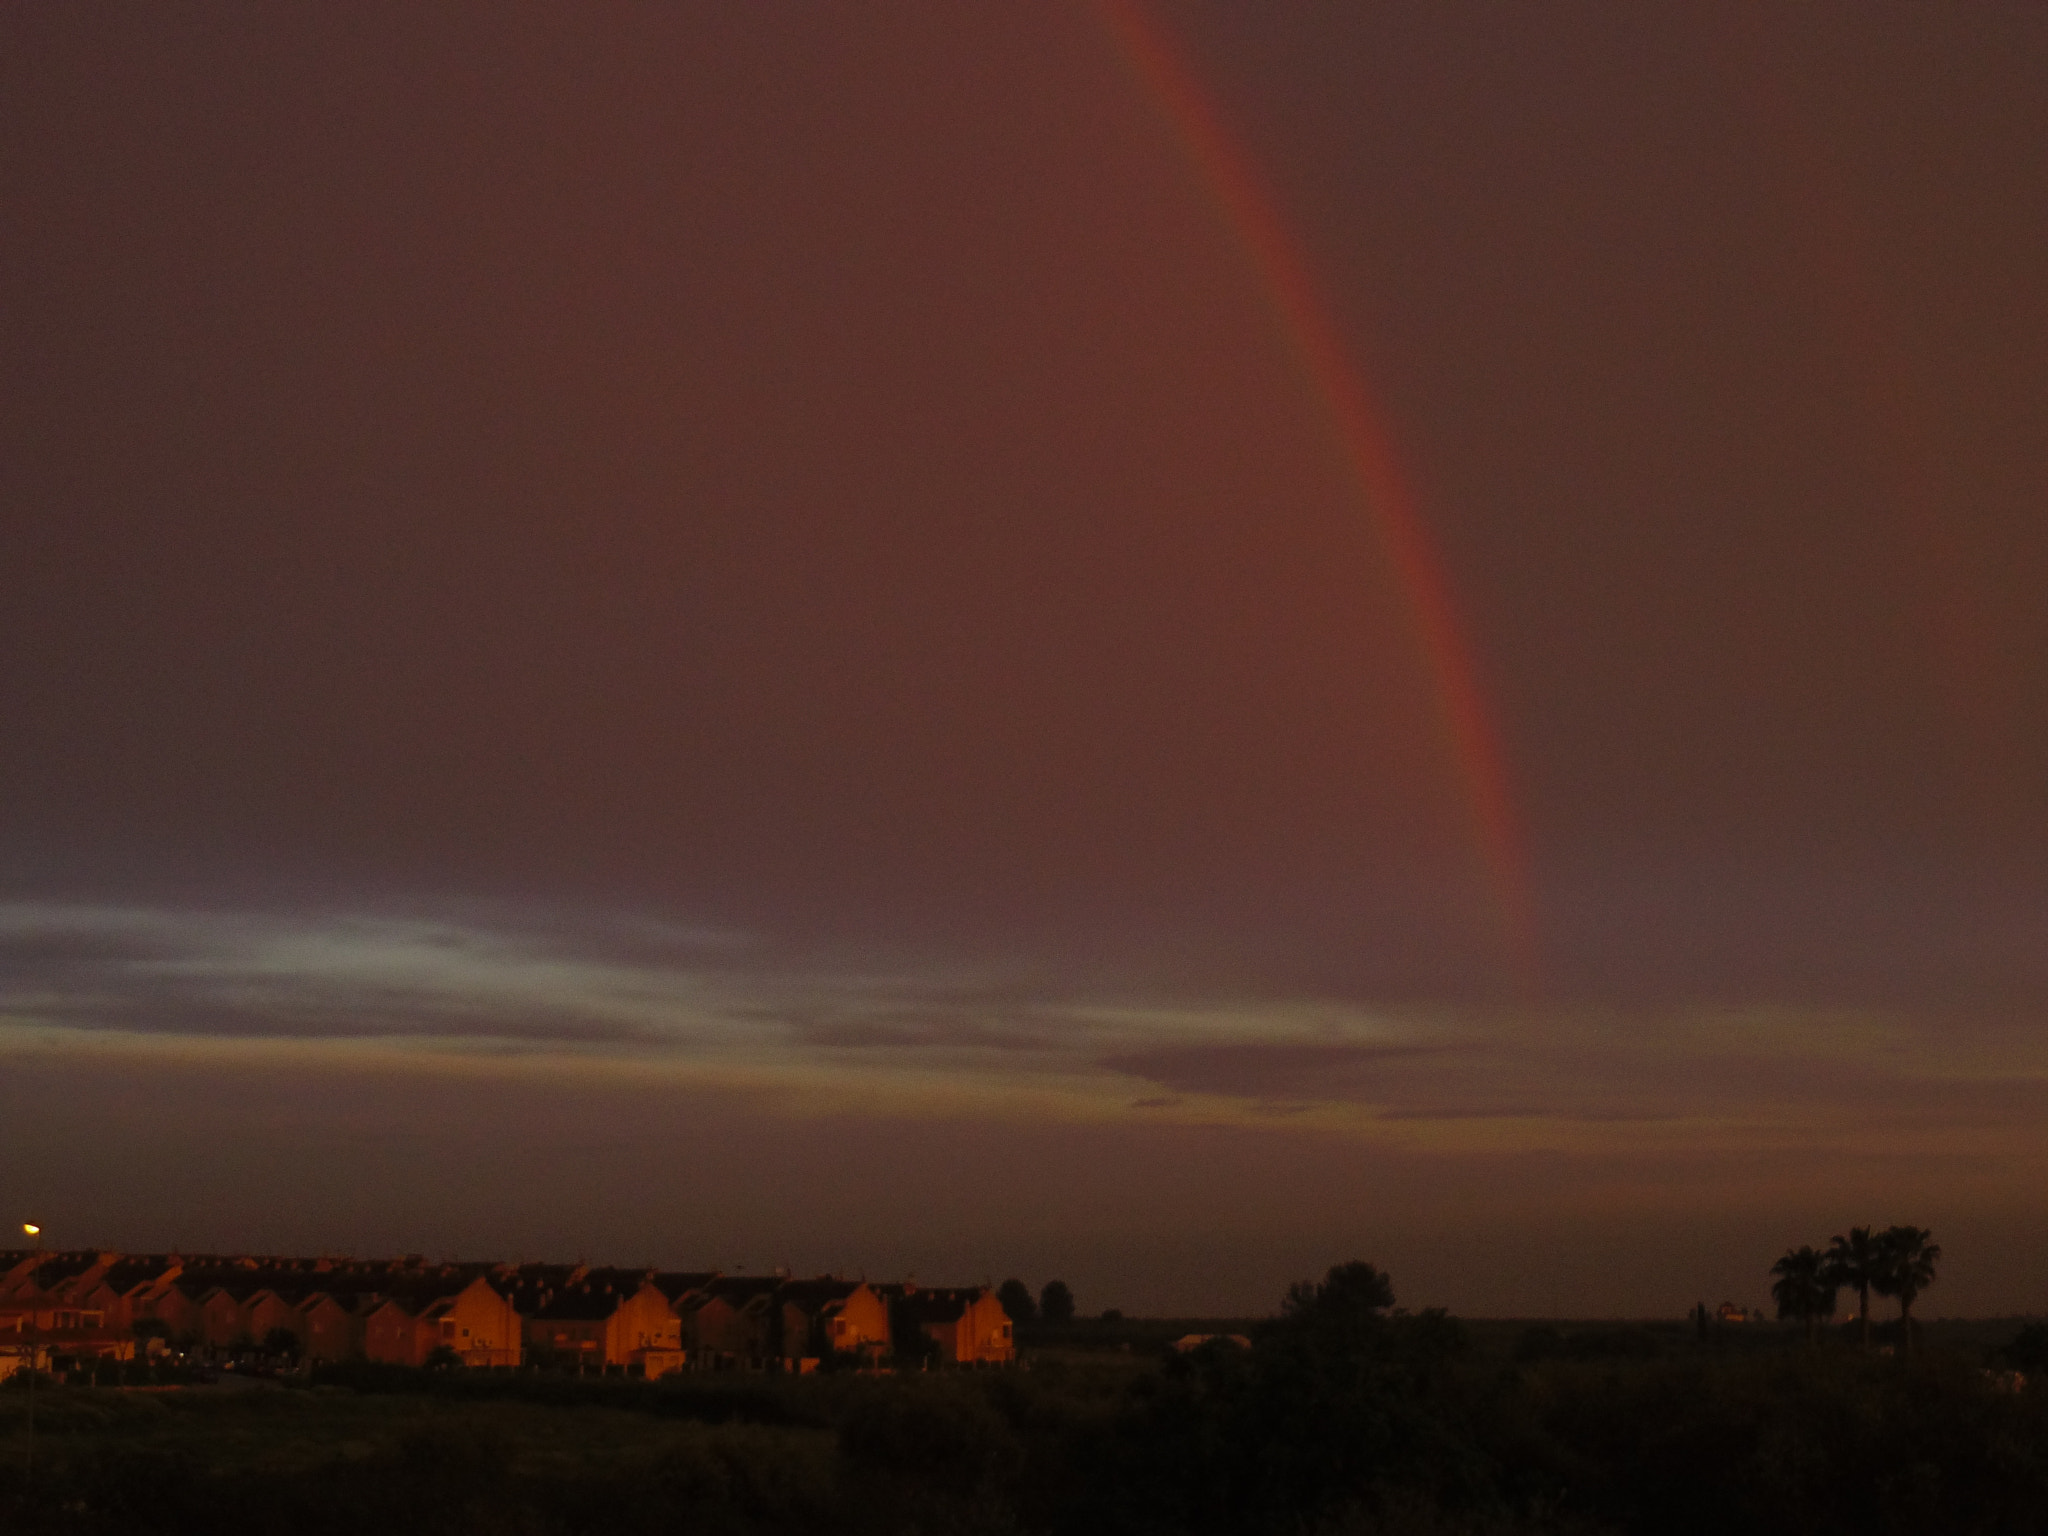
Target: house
<point x="329" y="1329"/>
<point x="1188" y="1343"/>
<point x="475" y="1321"/>
<point x="733" y="1321"/>
<point x="265" y="1312"/>
<point x="478" y="1323"/>
<point x="129" y="1287"/>
<point x="14" y="1264"/>
<point x="176" y="1306"/>
<point x="966" y="1323"/>
<point x="609" y="1319"/>
<point x="391" y="1334"/>
<point x="57" y="1334"/>
<point x="827" y="1316"/>
<point x="54" y="1274"/>
<point x="681" y="1285"/>
<point x="217" y="1316"/>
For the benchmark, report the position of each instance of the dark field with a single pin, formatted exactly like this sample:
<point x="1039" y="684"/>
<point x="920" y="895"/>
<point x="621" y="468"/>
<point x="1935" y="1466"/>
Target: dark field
<point x="1337" y="1424"/>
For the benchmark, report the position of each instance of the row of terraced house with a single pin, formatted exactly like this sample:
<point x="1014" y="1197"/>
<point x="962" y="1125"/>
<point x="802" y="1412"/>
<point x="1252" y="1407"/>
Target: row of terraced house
<point x="85" y="1305"/>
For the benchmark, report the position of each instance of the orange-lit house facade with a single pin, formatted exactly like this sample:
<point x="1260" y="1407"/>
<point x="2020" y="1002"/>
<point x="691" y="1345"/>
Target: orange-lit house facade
<point x="607" y="1320"/>
<point x="55" y="1333"/>
<point x="966" y="1323"/>
<point x="478" y="1324"/>
<point x="401" y="1311"/>
<point x="827" y="1317"/>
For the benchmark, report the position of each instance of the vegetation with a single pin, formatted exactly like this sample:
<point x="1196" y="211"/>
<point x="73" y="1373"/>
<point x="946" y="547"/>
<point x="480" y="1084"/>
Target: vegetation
<point x="1345" y="1415"/>
<point x="1855" y="1260"/>
<point x="1056" y="1302"/>
<point x="1897" y="1262"/>
<point x="1804" y="1289"/>
<point x="1908" y="1256"/>
<point x="1015" y="1296"/>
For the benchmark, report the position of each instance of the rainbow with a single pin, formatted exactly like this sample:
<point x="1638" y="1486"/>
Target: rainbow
<point x="1472" y="743"/>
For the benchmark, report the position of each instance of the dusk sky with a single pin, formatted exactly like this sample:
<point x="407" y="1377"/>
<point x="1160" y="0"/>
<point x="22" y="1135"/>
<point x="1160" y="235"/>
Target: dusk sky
<point x="1159" y="643"/>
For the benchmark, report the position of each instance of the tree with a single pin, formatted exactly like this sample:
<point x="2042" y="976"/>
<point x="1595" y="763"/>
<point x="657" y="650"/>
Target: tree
<point x="1854" y="1261"/>
<point x="1056" y="1302"/>
<point x="1906" y="1260"/>
<point x="2028" y="1350"/>
<point x="1348" y="1290"/>
<point x="1804" y="1288"/>
<point x="1342" y="1316"/>
<point x="1015" y="1296"/>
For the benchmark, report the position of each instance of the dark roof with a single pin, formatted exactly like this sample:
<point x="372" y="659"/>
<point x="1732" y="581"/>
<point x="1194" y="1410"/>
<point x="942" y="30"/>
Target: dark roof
<point x="553" y="1276"/>
<point x="580" y="1305"/>
<point x="934" y="1304"/>
<point x="678" y="1283"/>
<point x="418" y="1290"/>
<point x="625" y="1281"/>
<point x="56" y="1268"/>
<point x="138" y="1269"/>
<point x="818" y="1292"/>
<point x="740" y="1289"/>
<point x="929" y="1307"/>
<point x="240" y="1291"/>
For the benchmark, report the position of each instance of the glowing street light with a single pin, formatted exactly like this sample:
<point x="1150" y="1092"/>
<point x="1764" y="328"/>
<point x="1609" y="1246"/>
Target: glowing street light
<point x="31" y="1229"/>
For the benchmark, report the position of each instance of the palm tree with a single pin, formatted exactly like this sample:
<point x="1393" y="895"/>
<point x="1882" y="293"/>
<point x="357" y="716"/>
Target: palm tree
<point x="1854" y="1261"/>
<point x="1907" y="1257"/>
<point x="1805" y="1288"/>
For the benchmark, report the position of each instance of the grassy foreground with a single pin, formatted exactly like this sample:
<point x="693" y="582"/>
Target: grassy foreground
<point x="1342" y="1418"/>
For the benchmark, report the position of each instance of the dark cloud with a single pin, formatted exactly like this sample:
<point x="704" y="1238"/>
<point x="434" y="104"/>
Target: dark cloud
<point x="885" y="1027"/>
<point x="1540" y="1069"/>
<point x="1279" y="1071"/>
<point x="43" y="956"/>
<point x="227" y="976"/>
<point x="191" y="1011"/>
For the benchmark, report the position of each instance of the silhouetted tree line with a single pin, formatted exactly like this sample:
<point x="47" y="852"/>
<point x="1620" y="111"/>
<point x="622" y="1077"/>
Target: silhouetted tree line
<point x="1897" y="1262"/>
<point x="1345" y="1414"/>
<point x="1055" y="1303"/>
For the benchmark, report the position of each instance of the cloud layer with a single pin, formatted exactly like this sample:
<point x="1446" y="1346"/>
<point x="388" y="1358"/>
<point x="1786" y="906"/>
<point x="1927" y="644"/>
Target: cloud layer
<point x="627" y="992"/>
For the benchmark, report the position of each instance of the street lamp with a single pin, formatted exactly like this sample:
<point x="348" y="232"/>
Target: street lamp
<point x="35" y="1273"/>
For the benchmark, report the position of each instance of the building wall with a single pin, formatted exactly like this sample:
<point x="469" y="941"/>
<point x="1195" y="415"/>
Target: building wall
<point x="391" y="1336"/>
<point x="718" y="1328"/>
<point x="218" y="1320"/>
<point x="267" y="1310"/>
<point x="566" y="1341"/>
<point x="482" y="1327"/>
<point x="861" y="1325"/>
<point x="644" y="1321"/>
<point x="987" y="1332"/>
<point x="175" y="1309"/>
<point x="328" y="1330"/>
<point x="981" y="1335"/>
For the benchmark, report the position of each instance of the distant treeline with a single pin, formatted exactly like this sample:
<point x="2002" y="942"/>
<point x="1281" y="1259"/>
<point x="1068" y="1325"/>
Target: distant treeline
<point x="1899" y="1262"/>
<point x="1344" y="1414"/>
